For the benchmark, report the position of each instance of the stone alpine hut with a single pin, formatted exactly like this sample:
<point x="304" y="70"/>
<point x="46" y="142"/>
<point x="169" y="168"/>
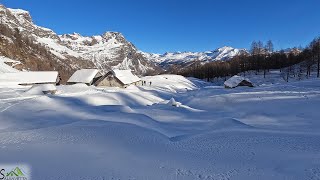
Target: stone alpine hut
<point x="236" y="81"/>
<point x="118" y="78"/>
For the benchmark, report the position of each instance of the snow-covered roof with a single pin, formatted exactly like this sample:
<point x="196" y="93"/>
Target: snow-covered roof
<point x="83" y="76"/>
<point x="234" y="81"/>
<point x="125" y="76"/>
<point x="31" y="77"/>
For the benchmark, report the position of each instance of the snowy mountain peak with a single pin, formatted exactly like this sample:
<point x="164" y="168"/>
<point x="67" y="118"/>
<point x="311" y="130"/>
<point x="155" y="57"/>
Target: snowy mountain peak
<point x="168" y="59"/>
<point x="115" y="37"/>
<point x="226" y="53"/>
<point x="107" y="51"/>
<point x="76" y="35"/>
<point x="112" y="34"/>
<point x="73" y="36"/>
<point x="22" y="13"/>
<point x="17" y="19"/>
<point x="224" y="49"/>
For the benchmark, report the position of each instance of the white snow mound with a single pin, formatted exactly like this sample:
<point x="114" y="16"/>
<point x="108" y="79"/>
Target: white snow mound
<point x="170" y="82"/>
<point x="40" y="89"/>
<point x="173" y="102"/>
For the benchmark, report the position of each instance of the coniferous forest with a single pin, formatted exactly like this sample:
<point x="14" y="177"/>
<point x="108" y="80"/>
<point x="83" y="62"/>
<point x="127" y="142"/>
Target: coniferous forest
<point x="297" y="62"/>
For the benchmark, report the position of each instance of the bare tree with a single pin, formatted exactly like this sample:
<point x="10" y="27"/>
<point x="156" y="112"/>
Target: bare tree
<point x="260" y="47"/>
<point x="317" y="52"/>
<point x="315" y="48"/>
<point x="269" y="46"/>
<point x="254" y="48"/>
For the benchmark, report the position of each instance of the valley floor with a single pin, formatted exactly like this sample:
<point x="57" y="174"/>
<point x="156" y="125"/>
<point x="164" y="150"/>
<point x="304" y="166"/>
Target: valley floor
<point x="266" y="132"/>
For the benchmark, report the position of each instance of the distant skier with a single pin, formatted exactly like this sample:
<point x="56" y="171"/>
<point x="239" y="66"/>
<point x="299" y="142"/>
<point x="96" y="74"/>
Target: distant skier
<point x="150" y="83"/>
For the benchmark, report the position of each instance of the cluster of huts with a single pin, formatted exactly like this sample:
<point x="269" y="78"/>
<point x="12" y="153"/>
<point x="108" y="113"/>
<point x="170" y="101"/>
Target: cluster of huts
<point x="114" y="78"/>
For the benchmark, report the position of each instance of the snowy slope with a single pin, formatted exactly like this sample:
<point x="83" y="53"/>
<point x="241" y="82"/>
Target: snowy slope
<point x="268" y="132"/>
<point x="5" y="68"/>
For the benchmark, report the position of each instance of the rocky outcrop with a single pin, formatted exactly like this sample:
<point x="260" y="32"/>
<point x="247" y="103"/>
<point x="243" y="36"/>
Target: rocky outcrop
<point x="108" y="51"/>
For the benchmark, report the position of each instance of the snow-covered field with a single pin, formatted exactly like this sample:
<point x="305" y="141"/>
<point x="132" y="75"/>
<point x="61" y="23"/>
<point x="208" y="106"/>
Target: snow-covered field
<point x="266" y="132"/>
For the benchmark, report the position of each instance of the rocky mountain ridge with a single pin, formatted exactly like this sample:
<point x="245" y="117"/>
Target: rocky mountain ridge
<point x="168" y="59"/>
<point x="39" y="48"/>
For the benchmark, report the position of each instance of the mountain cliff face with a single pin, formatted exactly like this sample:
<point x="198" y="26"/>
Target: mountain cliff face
<point x="19" y="40"/>
<point x="39" y="48"/>
<point x="110" y="50"/>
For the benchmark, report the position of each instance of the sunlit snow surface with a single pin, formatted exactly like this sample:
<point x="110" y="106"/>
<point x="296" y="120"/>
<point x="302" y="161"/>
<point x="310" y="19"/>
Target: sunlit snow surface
<point x="266" y="132"/>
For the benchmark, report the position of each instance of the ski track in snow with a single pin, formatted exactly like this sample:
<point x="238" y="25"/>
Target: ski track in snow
<point x="269" y="132"/>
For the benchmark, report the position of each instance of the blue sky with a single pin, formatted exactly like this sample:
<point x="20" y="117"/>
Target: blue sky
<point x="182" y="25"/>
